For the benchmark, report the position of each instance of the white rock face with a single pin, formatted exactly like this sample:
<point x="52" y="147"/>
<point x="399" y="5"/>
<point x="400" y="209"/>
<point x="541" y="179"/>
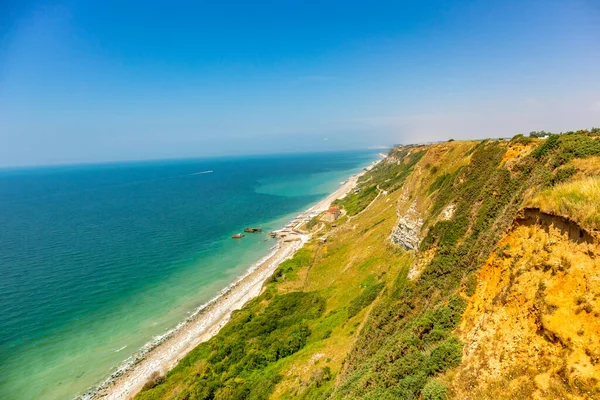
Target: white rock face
<point x="407" y="231"/>
<point x="448" y="212"/>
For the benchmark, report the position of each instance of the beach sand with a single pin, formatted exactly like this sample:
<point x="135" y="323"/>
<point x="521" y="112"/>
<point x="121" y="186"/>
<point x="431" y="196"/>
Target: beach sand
<point x="166" y="351"/>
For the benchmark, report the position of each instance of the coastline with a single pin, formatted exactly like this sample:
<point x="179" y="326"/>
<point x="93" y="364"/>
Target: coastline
<point x="164" y="352"/>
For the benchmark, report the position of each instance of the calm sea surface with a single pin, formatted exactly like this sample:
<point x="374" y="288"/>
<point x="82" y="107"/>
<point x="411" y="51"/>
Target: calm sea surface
<point x="96" y="260"/>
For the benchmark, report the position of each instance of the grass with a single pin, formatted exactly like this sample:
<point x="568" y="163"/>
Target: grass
<point x="368" y="295"/>
<point x="291" y="340"/>
<point x="342" y="320"/>
<point x="578" y="200"/>
<point x="388" y="176"/>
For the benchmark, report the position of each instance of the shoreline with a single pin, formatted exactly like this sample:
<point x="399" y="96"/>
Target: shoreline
<point x="164" y="352"/>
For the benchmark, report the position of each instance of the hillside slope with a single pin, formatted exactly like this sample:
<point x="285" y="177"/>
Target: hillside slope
<point x="461" y="269"/>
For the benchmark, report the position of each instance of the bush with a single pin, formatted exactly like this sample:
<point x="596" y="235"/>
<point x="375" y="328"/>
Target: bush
<point x="311" y="224"/>
<point x="443" y="181"/>
<point x="289" y="267"/>
<point x="563" y="174"/>
<point x="445" y="356"/>
<point x="356" y="202"/>
<point x="364" y="299"/>
<point x="548" y="145"/>
<point x="574" y="146"/>
<point x="155" y="379"/>
<point x="434" y="390"/>
<point x="519" y="138"/>
<point x="236" y="364"/>
<point x="539" y="134"/>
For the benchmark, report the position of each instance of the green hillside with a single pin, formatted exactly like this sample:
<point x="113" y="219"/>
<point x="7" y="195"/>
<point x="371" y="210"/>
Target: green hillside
<point x="359" y="316"/>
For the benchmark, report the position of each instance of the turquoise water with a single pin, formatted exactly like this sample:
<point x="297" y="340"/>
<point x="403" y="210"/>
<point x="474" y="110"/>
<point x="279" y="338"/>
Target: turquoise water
<point x="96" y="260"/>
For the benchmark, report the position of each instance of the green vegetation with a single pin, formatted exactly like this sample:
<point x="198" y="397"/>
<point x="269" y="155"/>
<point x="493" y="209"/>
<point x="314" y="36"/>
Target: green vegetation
<point x="312" y="223"/>
<point x="434" y="390"/>
<point x="443" y="181"/>
<point x="577" y="200"/>
<point x="237" y="364"/>
<point x="388" y="176"/>
<point x="289" y="268"/>
<point x="519" y="138"/>
<point x="539" y="134"/>
<point x="401" y="329"/>
<point x="342" y="320"/>
<point x="356" y="202"/>
<point x="368" y="295"/>
<point x="570" y="146"/>
<point x="548" y="145"/>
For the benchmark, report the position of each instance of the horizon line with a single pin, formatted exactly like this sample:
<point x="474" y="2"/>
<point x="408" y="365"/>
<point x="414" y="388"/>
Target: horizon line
<point x="150" y="160"/>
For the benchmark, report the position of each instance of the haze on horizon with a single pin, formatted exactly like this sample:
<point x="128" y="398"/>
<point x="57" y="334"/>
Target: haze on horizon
<point x="89" y="81"/>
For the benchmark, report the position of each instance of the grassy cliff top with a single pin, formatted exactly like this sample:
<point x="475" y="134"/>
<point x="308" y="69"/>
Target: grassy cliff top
<point x="578" y="200"/>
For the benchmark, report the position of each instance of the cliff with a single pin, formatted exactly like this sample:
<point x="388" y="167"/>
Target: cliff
<point x="460" y="270"/>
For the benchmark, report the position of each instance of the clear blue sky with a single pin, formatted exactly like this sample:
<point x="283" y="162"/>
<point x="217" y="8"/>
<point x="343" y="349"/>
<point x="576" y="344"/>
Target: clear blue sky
<point x="86" y="81"/>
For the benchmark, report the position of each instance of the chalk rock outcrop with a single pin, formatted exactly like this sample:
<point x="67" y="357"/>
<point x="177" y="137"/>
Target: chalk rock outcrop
<point x="407" y="231"/>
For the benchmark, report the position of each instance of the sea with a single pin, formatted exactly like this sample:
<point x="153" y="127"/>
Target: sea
<point x="97" y="260"/>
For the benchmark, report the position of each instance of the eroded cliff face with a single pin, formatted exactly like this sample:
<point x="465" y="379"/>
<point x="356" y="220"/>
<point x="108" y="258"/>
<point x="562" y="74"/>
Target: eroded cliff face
<point x="407" y="231"/>
<point x="532" y="328"/>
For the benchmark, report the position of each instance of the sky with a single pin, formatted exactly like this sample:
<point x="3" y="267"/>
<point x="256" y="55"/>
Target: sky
<point x="92" y="81"/>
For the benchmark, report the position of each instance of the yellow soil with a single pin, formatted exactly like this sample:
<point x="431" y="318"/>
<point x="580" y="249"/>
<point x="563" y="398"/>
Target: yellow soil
<point x="516" y="151"/>
<point x="532" y="328"/>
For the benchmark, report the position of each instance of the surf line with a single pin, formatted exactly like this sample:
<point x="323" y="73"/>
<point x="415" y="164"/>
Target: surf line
<point x="203" y="172"/>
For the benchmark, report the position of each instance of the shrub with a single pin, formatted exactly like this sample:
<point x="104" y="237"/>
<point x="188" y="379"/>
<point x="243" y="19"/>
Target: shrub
<point x="155" y="379"/>
<point x="434" y="390"/>
<point x="563" y="174"/>
<point x="445" y="356"/>
<point x="368" y="295"/>
<point x="289" y="267"/>
<point x="519" y="138"/>
<point x="388" y="175"/>
<point x="235" y="364"/>
<point x="574" y="146"/>
<point x="548" y="145"/>
<point x="311" y="224"/>
<point x="356" y="202"/>
<point x="539" y="134"/>
<point x="443" y="181"/>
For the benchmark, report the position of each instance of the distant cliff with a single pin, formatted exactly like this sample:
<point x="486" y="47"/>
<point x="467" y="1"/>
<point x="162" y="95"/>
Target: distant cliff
<point x="465" y="270"/>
